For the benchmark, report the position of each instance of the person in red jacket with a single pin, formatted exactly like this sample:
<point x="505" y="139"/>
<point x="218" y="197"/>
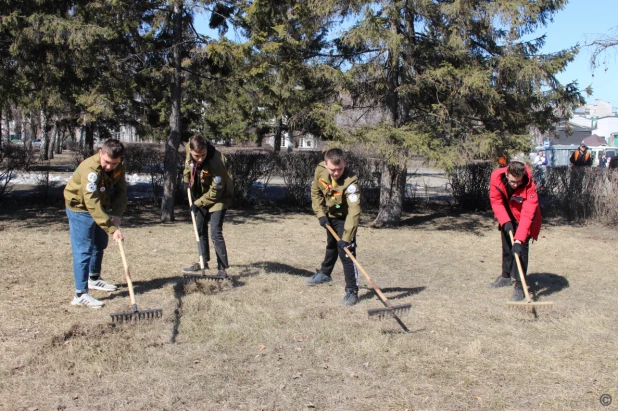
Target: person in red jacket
<point x="515" y="203"/>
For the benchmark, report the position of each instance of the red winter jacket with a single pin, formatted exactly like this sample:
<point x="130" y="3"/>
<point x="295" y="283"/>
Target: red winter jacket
<point x="524" y="204"/>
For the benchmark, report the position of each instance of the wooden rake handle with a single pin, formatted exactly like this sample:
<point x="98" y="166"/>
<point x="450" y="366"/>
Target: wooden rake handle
<point x="362" y="270"/>
<point x="127" y="274"/>
<point x="521" y="271"/>
<point x="197" y="235"/>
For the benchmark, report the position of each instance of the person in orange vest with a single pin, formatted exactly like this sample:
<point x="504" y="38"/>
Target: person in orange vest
<point x="581" y="157"/>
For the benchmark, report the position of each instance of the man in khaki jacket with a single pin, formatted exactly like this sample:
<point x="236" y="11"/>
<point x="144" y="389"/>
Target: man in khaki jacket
<point x="335" y="199"/>
<point x="95" y="199"/>
<point x="212" y="190"/>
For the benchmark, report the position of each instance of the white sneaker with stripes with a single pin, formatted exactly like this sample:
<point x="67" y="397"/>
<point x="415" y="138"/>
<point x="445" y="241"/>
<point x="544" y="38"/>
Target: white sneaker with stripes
<point x="88" y="301"/>
<point x="101" y="284"/>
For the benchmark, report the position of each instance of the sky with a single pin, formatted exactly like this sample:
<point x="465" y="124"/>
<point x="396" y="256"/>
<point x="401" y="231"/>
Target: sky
<point x="580" y="21"/>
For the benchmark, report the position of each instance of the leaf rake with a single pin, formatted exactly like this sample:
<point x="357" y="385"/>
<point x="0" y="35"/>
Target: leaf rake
<point x="377" y="313"/>
<point x="202" y="276"/>
<point x="529" y="302"/>
<point x="135" y="314"/>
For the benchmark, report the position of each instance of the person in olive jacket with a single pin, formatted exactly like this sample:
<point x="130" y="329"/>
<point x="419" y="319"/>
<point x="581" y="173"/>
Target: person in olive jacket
<point x="212" y="189"/>
<point x="95" y="199"/>
<point x="515" y="203"/>
<point x="335" y="199"/>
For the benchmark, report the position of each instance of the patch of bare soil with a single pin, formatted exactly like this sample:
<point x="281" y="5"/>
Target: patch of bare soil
<point x="266" y="341"/>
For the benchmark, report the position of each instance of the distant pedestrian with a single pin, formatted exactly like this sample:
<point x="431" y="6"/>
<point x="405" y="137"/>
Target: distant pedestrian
<point x="603" y="161"/>
<point x="581" y="157"/>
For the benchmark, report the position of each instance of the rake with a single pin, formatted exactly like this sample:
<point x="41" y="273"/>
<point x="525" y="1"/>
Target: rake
<point x="377" y="313"/>
<point x="529" y="302"/>
<point x="135" y="314"/>
<point x="203" y="275"/>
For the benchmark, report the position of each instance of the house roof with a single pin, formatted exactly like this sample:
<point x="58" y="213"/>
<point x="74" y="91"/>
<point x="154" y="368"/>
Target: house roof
<point x="594" y="141"/>
<point x="578" y="134"/>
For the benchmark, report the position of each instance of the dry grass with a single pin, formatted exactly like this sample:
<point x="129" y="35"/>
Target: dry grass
<point x="266" y="341"/>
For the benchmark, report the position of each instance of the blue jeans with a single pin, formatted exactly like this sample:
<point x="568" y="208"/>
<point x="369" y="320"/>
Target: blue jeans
<point x="88" y="241"/>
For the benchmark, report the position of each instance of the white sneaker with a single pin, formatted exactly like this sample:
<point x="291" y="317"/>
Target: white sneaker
<point x="101" y="284"/>
<point x="87" y="300"/>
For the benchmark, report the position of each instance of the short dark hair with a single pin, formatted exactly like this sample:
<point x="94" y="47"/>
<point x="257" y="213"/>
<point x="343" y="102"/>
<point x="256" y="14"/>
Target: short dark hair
<point x="198" y="143"/>
<point x="334" y="155"/>
<point x="516" y="169"/>
<point x="113" y="148"/>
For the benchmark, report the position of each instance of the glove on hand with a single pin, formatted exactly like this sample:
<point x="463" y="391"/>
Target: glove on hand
<point x="516" y="249"/>
<point x="194" y="209"/>
<point x="508" y="227"/>
<point x="323" y="221"/>
<point x="341" y="244"/>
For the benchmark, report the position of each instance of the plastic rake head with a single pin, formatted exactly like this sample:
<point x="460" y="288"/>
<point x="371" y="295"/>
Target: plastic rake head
<point x="387" y="312"/>
<point x="137" y="315"/>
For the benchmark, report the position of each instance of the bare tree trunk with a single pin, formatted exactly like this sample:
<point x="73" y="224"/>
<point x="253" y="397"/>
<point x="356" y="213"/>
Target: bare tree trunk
<point x="43" y="153"/>
<point x="392" y="195"/>
<point x="170" y="164"/>
<point x="278" y="131"/>
<point x="88" y="146"/>
<point x="7" y="129"/>
<point x="52" y="142"/>
<point x="60" y="140"/>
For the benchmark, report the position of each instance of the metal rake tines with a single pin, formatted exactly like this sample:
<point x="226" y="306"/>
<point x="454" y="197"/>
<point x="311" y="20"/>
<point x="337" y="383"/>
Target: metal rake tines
<point x="137" y="315"/>
<point x="195" y="277"/>
<point x="381" y="313"/>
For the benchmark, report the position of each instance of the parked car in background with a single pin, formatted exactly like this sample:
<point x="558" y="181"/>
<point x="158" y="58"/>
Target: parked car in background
<point x="36" y="142"/>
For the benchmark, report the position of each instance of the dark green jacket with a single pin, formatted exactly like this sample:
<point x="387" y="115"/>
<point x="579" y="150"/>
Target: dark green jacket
<point x="337" y="198"/>
<point x="211" y="185"/>
<point x="92" y="189"/>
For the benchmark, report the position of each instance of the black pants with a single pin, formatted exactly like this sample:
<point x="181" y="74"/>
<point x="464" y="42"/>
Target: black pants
<point x="216" y="233"/>
<point x="509" y="265"/>
<point x="332" y="251"/>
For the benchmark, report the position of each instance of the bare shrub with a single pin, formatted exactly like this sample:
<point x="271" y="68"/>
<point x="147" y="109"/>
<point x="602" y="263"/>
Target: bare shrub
<point x="297" y="170"/>
<point x="470" y="185"/>
<point x="246" y="169"/>
<point x="13" y="158"/>
<point x="581" y="193"/>
<point x="148" y="159"/>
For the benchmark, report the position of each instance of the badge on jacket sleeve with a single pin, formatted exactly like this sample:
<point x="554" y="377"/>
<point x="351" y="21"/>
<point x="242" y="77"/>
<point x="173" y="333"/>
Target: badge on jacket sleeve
<point x="102" y="189"/>
<point x="91" y="187"/>
<point x="353" y="198"/>
<point x="217" y="179"/>
<point x="351" y="189"/>
<point x="92" y="177"/>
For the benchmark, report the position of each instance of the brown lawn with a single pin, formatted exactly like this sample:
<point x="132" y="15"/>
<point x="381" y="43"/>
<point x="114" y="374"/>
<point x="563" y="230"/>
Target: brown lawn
<point x="266" y="341"/>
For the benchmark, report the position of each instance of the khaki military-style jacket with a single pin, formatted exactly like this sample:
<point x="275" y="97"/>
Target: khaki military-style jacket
<point x="92" y="189"/>
<point x="212" y="179"/>
<point x="337" y="198"/>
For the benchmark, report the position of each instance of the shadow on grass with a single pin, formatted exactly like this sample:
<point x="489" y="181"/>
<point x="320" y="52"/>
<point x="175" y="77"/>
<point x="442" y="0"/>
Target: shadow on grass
<point x="402" y="292"/>
<point x="545" y="284"/>
<point x="179" y="293"/>
<point x="447" y="219"/>
<point x="254" y="269"/>
<point x="142" y="287"/>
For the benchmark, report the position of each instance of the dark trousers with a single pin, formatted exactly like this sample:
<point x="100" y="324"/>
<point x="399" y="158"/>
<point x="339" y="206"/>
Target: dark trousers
<point x="215" y="218"/>
<point x="509" y="265"/>
<point x="332" y="251"/>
